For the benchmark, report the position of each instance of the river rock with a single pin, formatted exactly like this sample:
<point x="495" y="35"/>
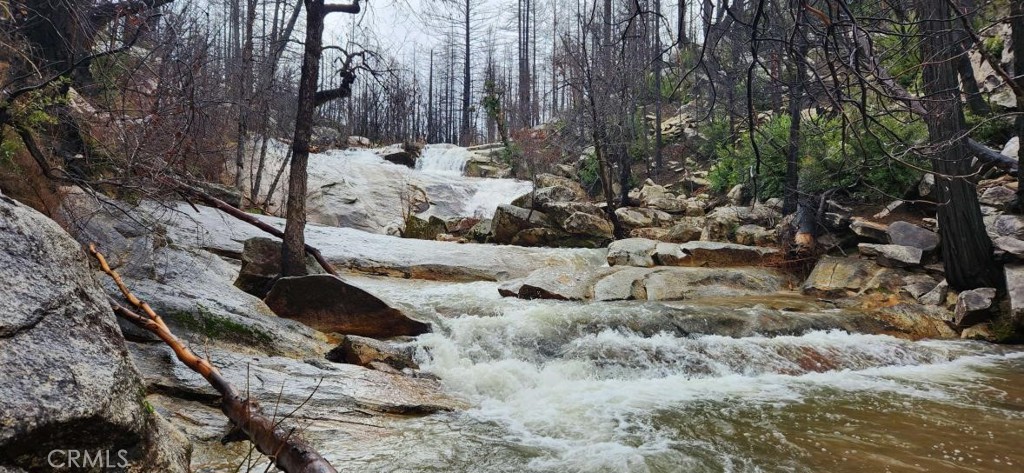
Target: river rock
<point x="982" y="332"/>
<point x="67" y="380"/>
<point x="687" y="283"/>
<point x="363" y="351"/>
<point x="375" y="254"/>
<point x="1009" y="245"/>
<point x="566" y="284"/>
<point x="716" y="254"/>
<point x="998" y="196"/>
<point x="687" y="229"/>
<point x="1012" y="148"/>
<point x="424" y="229"/>
<point x="1005" y="225"/>
<point x="261" y="265"/>
<point x="509" y="220"/>
<point x="892" y="256"/>
<point x="549" y="195"/>
<point x="651" y="192"/>
<point x="926" y="186"/>
<point x="670" y="205"/>
<point x="973" y="305"/>
<point x="329" y="304"/>
<point x="721" y="223"/>
<point x="937" y="295"/>
<point x="618" y="285"/>
<point x="639" y="217"/>
<point x="585" y="224"/>
<point x="632" y="252"/>
<point x="870" y="231"/>
<point x="838" y="277"/>
<point x="908" y="234"/>
<point x="917" y="285"/>
<point x="755" y="235"/>
<point x="650" y="233"/>
<point x="1015" y="291"/>
<point x="550" y="180"/>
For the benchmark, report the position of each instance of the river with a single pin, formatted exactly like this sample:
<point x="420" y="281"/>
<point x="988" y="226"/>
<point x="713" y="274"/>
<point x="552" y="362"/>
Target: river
<point x="599" y="387"/>
<point x="629" y="387"/>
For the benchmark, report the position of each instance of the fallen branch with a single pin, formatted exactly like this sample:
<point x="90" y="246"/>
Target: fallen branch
<point x="283" y="446"/>
<point x="252" y="220"/>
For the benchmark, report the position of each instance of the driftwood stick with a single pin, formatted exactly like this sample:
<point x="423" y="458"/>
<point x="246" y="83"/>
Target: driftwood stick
<point x="250" y="219"/>
<point x="287" y="450"/>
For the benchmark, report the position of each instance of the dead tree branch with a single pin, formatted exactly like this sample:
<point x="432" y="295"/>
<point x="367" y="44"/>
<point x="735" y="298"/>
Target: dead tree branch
<point x="282" y="445"/>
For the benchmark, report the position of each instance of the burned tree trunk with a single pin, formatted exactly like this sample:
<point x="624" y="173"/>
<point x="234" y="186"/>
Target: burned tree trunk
<point x="966" y="248"/>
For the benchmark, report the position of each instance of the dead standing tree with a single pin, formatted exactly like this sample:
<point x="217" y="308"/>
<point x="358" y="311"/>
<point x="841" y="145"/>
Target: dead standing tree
<point x="293" y="250"/>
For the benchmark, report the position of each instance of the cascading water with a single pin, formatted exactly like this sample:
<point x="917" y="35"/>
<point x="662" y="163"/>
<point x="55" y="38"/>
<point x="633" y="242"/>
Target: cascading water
<point x="443" y="159"/>
<point x="618" y="387"/>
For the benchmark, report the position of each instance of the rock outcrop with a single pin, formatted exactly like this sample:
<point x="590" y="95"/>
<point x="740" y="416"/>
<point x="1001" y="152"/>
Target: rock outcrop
<point x="67" y="381"/>
<point x="329" y="304"/>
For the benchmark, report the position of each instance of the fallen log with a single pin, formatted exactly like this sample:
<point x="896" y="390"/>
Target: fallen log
<point x="284" y="447"/>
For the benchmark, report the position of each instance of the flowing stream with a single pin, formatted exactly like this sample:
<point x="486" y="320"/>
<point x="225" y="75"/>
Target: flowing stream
<point x="668" y="387"/>
<point x="620" y="387"/>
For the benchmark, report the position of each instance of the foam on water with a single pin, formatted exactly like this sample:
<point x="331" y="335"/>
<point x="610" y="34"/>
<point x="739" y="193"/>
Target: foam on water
<point x="575" y="382"/>
<point x="443" y="159"/>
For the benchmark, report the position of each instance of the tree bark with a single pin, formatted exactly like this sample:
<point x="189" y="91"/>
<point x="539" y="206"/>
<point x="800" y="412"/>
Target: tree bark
<point x="1017" y="38"/>
<point x="796" y="97"/>
<point x="293" y="250"/>
<point x="966" y="248"/>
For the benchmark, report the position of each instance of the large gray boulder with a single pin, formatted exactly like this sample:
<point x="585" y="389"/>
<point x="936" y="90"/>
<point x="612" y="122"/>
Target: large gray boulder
<point x="509" y="220"/>
<point x="67" y="380"/>
<point x="908" y="234"/>
<point x="632" y="252"/>
<point x="369" y="352"/>
<point x="329" y="304"/>
<point x="261" y="265"/>
<point x="590" y="225"/>
<point x="835" y="277"/>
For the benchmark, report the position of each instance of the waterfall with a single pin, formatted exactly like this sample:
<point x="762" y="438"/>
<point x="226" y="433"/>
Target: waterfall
<point x="443" y="159"/>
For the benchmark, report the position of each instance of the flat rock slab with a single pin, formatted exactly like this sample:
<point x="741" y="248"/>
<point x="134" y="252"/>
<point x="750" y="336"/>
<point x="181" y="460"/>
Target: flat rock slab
<point x="893" y="256"/>
<point x="717" y="254"/>
<point x="369" y="253"/>
<point x="329" y="304"/>
<point x="688" y="283"/>
<point x="908" y="234"/>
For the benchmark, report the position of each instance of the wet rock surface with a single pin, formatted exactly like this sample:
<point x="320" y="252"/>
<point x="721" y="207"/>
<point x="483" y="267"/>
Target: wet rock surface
<point x="329" y="304"/>
<point x="67" y="381"/>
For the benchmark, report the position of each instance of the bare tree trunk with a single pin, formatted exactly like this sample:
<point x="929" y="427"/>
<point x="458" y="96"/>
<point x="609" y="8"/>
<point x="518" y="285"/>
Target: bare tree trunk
<point x="464" y="133"/>
<point x="966" y="248"/>
<point x="796" y="98"/>
<point x="292" y="253"/>
<point x="1017" y="23"/>
<point x="657" y="83"/>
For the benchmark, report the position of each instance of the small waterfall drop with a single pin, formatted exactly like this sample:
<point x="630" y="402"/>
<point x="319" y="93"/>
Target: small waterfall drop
<point x="443" y="159"/>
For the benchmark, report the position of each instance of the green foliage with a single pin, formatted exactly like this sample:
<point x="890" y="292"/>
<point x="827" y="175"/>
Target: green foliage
<point x="993" y="131"/>
<point x="588" y="173"/>
<point x="994" y="47"/>
<point x="857" y="160"/>
<point x="33" y="110"/>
